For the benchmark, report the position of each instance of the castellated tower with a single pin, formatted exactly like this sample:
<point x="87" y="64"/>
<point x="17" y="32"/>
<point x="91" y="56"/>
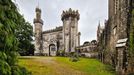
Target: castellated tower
<point x="38" y="31"/>
<point x="71" y="36"/>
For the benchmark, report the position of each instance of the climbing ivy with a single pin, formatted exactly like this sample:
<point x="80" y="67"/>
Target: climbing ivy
<point x="131" y="39"/>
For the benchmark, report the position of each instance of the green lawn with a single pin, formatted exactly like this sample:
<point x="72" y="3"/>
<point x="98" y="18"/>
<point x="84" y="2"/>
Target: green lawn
<point x="62" y="66"/>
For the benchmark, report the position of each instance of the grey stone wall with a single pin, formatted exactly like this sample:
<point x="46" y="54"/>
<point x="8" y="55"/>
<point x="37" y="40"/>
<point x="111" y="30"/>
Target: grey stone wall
<point x="52" y="38"/>
<point x="70" y="30"/>
<point x="65" y="37"/>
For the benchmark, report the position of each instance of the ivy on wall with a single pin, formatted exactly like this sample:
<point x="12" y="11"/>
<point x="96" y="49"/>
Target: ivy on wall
<point x="131" y="38"/>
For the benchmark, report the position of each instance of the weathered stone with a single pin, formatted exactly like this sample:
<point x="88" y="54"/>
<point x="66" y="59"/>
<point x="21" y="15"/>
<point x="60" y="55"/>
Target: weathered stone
<point x="116" y="28"/>
<point x="65" y="37"/>
<point x="88" y="49"/>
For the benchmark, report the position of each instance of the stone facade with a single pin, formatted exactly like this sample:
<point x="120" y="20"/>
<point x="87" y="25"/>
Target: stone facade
<point x="65" y="37"/>
<point x="52" y="41"/>
<point x="116" y="29"/>
<point x="88" y="49"/>
<point x="70" y="30"/>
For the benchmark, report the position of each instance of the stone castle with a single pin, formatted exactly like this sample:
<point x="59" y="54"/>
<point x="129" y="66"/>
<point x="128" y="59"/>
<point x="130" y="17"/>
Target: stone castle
<point x="65" y="37"/>
<point x="113" y="39"/>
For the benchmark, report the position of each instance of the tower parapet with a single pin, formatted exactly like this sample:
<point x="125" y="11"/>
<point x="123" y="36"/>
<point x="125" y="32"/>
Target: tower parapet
<point x="38" y="21"/>
<point x="70" y="29"/>
<point x="70" y="13"/>
<point x="38" y="16"/>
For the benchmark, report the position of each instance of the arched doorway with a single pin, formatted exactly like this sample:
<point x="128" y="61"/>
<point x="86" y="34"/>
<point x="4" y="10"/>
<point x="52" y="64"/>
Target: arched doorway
<point x="52" y="50"/>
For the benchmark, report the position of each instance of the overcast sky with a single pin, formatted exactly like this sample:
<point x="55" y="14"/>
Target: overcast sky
<point x="91" y="12"/>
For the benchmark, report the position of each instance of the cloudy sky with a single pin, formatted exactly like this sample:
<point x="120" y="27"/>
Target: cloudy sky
<point x="91" y="12"/>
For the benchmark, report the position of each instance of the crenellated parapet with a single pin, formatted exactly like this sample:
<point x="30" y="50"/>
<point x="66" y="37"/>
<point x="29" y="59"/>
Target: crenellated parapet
<point x="53" y="30"/>
<point x="38" y="21"/>
<point x="38" y="9"/>
<point x="70" y="13"/>
<point x="38" y="16"/>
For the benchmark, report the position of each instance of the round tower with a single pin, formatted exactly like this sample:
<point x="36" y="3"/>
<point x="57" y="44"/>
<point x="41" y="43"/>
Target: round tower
<point x="70" y="29"/>
<point x="38" y="22"/>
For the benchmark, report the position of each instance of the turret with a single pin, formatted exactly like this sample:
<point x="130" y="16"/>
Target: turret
<point x="70" y="29"/>
<point x="38" y="22"/>
<point x="70" y="13"/>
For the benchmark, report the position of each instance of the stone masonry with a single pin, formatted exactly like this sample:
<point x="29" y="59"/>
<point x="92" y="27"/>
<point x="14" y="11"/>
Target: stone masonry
<point x="64" y="37"/>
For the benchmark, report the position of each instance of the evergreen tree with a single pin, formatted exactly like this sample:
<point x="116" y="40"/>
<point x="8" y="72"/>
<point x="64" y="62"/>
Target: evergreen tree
<point x="9" y="21"/>
<point x="24" y="35"/>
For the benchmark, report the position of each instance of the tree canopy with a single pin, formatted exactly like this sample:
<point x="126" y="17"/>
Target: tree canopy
<point x="24" y="35"/>
<point x="10" y="22"/>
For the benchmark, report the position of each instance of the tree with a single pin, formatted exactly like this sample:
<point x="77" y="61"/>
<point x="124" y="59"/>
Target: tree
<point x="24" y="35"/>
<point x="9" y="21"/>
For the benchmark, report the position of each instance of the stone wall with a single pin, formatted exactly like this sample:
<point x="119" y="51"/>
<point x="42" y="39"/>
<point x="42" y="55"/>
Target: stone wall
<point x="70" y="30"/>
<point x="52" y="38"/>
<point x="88" y="49"/>
<point x="116" y="28"/>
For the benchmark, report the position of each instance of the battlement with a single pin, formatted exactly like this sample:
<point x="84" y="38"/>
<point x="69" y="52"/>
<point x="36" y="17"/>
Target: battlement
<point x="38" y="9"/>
<point x="38" y="21"/>
<point x="70" y="13"/>
<point x="53" y="30"/>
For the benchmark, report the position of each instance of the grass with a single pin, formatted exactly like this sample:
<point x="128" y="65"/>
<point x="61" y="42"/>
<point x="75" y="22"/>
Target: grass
<point x="62" y="66"/>
<point x="35" y="67"/>
<point x="90" y="66"/>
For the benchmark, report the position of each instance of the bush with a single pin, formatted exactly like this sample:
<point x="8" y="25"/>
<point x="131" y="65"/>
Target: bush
<point x="4" y="68"/>
<point x="18" y="70"/>
<point x="24" y="71"/>
<point x="74" y="57"/>
<point x="60" y="53"/>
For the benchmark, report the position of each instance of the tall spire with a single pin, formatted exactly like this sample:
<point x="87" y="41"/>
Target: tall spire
<point x="38" y="4"/>
<point x="38" y="11"/>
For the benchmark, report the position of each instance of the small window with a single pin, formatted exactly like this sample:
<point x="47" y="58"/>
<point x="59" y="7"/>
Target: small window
<point x="115" y="30"/>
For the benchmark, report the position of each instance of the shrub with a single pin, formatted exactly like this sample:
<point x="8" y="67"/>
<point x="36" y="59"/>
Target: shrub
<point x="60" y="53"/>
<point x="74" y="57"/>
